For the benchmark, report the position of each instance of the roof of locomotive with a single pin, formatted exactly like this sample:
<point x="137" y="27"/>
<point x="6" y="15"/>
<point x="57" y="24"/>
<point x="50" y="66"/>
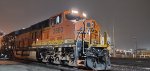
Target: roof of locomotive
<point x="40" y="25"/>
<point x="80" y="13"/>
<point x="36" y="26"/>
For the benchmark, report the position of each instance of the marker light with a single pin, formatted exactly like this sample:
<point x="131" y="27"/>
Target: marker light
<point x="75" y="11"/>
<point x="84" y="14"/>
<point x="37" y="39"/>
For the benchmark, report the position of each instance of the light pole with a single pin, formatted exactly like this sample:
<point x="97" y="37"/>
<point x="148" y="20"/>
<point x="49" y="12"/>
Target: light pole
<point x="135" y="41"/>
<point x="114" y="53"/>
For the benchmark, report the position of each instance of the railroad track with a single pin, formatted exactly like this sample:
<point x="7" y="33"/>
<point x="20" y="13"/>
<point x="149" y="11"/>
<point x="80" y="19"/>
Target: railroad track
<point x="30" y="64"/>
<point x="53" y="66"/>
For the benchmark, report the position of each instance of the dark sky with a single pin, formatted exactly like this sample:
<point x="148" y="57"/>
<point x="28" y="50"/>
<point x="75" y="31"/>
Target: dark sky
<point x="131" y="17"/>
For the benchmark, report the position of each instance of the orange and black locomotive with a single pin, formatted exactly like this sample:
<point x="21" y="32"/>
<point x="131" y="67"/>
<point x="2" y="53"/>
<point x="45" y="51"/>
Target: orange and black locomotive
<point x="67" y="38"/>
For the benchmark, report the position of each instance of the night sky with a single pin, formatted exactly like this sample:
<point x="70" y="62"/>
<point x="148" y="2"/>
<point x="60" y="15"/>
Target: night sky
<point x="130" y="17"/>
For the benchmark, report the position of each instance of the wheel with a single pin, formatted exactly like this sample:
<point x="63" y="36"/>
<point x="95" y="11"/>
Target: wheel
<point x="51" y="60"/>
<point x="57" y="61"/>
<point x="71" y="61"/>
<point x="41" y="55"/>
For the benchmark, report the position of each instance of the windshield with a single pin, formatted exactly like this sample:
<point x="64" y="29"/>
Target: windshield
<point x="73" y="17"/>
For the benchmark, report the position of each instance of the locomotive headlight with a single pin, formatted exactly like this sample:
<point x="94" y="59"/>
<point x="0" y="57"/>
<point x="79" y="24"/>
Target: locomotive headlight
<point x="74" y="11"/>
<point x="84" y="14"/>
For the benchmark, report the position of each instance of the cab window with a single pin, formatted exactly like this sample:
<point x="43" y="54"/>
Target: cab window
<point x="73" y="17"/>
<point x="56" y="20"/>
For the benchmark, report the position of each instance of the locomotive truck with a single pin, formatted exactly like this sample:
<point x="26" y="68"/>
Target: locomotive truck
<point x="67" y="38"/>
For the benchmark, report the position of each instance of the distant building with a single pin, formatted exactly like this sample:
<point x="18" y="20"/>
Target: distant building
<point x="139" y="53"/>
<point x="124" y="53"/>
<point x="142" y="53"/>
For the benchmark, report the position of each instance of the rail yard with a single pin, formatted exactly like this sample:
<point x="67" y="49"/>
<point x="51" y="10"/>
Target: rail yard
<point x="67" y="41"/>
<point x="74" y="35"/>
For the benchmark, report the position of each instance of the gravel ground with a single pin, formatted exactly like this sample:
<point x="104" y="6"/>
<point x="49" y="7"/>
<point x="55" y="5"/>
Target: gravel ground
<point x="6" y="65"/>
<point x="24" y="67"/>
<point x="128" y="68"/>
<point x="130" y="64"/>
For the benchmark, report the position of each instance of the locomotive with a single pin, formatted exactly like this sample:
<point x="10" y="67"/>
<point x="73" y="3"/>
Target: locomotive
<point x="68" y="38"/>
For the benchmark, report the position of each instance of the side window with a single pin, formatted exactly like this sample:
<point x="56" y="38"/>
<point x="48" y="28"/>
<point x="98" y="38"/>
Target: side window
<point x="88" y="25"/>
<point x="56" y="20"/>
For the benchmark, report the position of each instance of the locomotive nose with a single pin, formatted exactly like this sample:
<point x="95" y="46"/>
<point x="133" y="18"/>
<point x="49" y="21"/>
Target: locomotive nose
<point x="89" y="23"/>
<point x="90" y="26"/>
<point x="91" y="29"/>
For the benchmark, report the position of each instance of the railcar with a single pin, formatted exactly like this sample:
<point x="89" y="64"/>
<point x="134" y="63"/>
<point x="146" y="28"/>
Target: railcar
<point x="67" y="38"/>
<point x="7" y="44"/>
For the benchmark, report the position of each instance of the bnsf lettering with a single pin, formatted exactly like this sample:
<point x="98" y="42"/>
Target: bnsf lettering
<point x="58" y="30"/>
